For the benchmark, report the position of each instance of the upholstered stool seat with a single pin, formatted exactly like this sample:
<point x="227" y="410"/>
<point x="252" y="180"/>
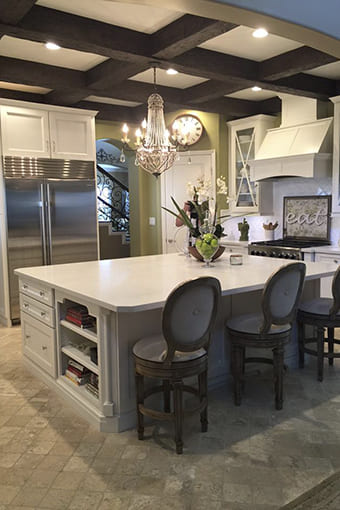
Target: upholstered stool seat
<point x="252" y="323"/>
<point x="321" y="313"/>
<point x="269" y="329"/>
<point x="181" y="351"/>
<point x="155" y="348"/>
<point x="318" y="306"/>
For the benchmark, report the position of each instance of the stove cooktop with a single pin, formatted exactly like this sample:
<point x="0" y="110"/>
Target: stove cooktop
<point x="292" y="243"/>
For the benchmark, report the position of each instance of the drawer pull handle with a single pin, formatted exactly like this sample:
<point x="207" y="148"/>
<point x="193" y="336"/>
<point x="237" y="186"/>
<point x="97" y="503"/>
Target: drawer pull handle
<point x="44" y="347"/>
<point x="42" y="314"/>
<point x="42" y="293"/>
<point x="335" y="261"/>
<point x="25" y="286"/>
<point x="27" y="336"/>
<point x="26" y="305"/>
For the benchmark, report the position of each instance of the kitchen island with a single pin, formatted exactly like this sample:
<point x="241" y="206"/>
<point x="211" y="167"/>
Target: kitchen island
<point x="125" y="298"/>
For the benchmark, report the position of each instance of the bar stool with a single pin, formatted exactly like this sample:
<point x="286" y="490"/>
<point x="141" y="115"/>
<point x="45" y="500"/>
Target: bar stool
<point x="181" y="351"/>
<point x="321" y="313"/>
<point x="270" y="329"/>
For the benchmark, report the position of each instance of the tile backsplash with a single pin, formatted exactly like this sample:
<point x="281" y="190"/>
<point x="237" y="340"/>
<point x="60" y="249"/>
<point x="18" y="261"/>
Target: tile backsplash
<point x="282" y="188"/>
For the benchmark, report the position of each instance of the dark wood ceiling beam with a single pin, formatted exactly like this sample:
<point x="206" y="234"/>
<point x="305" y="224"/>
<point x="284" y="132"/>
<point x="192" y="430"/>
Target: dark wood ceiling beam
<point x="12" y="11"/>
<point x="293" y="62"/>
<point x="84" y="34"/>
<point x="111" y="112"/>
<point x="113" y="72"/>
<point x="215" y="66"/>
<point x="132" y="90"/>
<point x="33" y="73"/>
<point x="22" y="96"/>
<point x="305" y="85"/>
<point x="209" y="91"/>
<point x="97" y="79"/>
<point x="184" y="34"/>
<point x="269" y="106"/>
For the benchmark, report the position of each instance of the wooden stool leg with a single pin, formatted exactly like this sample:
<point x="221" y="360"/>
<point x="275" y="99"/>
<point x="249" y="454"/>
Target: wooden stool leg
<point x="166" y="386"/>
<point x="237" y="369"/>
<point x="178" y="410"/>
<point x="320" y="351"/>
<point x="278" y="356"/>
<point x="330" y="338"/>
<point x="301" y="340"/>
<point x="203" y="392"/>
<point x="140" y="400"/>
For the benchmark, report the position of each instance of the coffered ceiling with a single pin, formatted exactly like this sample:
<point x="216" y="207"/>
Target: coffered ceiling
<point x="107" y="48"/>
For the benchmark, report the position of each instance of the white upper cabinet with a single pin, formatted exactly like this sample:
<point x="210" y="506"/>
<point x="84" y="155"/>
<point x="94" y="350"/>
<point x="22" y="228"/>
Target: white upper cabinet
<point x="25" y="132"/>
<point x="43" y="133"/>
<point x="72" y="136"/>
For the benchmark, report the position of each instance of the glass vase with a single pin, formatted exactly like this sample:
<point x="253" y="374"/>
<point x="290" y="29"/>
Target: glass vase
<point x="207" y="245"/>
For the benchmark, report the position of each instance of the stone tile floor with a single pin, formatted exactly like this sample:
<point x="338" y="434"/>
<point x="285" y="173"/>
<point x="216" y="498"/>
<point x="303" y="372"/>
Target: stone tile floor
<point x="252" y="457"/>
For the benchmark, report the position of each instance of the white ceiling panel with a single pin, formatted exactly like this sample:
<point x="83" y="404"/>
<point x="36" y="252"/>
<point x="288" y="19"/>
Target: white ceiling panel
<point x="180" y="80"/>
<point x="240" y="43"/>
<point x="260" y="95"/>
<point x="36" y="52"/>
<point x="142" y="18"/>
<point x="331" y="71"/>
<point x="109" y="100"/>
<point x="23" y="88"/>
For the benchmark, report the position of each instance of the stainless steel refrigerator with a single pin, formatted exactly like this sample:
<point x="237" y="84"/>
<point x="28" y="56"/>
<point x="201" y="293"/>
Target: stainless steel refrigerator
<point x="51" y="215"/>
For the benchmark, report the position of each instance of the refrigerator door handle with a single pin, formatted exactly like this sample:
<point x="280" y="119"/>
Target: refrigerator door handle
<point x="49" y="223"/>
<point x="43" y="224"/>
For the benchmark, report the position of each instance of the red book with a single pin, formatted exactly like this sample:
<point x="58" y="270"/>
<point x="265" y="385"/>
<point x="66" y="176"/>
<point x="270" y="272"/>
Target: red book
<point x="75" y="370"/>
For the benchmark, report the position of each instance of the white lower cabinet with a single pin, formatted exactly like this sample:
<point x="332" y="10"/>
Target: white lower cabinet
<point x="326" y="283"/>
<point x="39" y="343"/>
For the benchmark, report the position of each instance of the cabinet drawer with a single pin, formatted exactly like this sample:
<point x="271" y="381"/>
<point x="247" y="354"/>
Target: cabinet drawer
<point x="36" y="291"/>
<point x="328" y="258"/>
<point x="38" y="342"/>
<point x="38" y="310"/>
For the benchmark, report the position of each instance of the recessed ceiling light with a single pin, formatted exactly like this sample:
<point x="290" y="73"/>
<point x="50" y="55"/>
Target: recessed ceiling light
<point x="171" y="71"/>
<point x="256" y="88"/>
<point x="259" y="33"/>
<point x="52" y="46"/>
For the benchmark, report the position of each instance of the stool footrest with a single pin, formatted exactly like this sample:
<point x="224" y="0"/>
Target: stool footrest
<point x="268" y="361"/>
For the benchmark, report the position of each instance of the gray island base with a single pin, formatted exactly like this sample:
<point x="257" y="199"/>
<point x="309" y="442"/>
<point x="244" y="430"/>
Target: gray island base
<point x="125" y="298"/>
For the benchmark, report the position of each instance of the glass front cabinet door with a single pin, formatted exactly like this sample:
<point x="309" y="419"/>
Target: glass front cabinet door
<point x="245" y="137"/>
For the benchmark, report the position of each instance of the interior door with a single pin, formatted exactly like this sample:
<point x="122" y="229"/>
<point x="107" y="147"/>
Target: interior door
<point x="190" y="166"/>
<point x="25" y="232"/>
<point x="72" y="221"/>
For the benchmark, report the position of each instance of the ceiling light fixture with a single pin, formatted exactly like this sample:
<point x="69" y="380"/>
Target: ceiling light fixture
<point x="256" y="88"/>
<point x="171" y="71"/>
<point x="155" y="149"/>
<point x="52" y="46"/>
<point x="259" y="33"/>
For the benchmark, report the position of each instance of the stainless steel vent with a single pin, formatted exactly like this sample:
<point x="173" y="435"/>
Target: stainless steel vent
<point x="44" y="168"/>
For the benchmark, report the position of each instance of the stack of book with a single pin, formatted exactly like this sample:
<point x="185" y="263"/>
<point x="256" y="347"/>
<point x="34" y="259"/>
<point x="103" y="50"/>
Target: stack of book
<point x="79" y="316"/>
<point x="92" y="385"/>
<point x="76" y="373"/>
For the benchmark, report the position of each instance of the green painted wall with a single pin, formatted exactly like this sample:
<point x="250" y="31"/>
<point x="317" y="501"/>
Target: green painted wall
<point x="145" y="189"/>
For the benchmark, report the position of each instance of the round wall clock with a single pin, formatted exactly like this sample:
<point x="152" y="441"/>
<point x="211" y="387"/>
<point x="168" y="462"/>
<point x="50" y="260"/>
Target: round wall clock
<point x="189" y="129"/>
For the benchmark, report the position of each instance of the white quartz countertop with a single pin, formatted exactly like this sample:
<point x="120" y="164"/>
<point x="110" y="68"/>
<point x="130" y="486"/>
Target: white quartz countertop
<point x="143" y="283"/>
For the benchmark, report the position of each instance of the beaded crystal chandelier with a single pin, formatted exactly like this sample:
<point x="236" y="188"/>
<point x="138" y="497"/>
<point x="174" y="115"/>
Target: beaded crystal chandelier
<point x="155" y="150"/>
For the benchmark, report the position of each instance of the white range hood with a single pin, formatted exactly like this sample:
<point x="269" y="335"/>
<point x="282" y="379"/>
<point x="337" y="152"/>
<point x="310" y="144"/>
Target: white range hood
<point x="300" y="147"/>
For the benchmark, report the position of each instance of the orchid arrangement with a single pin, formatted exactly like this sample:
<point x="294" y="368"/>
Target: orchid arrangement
<point x="202" y="202"/>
